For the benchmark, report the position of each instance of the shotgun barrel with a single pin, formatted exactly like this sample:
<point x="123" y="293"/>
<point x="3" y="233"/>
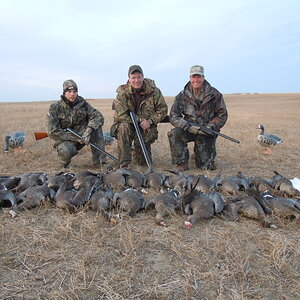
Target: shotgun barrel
<point x="141" y="140"/>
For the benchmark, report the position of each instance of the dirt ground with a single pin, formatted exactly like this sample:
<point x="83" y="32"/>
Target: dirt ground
<point x="46" y="253"/>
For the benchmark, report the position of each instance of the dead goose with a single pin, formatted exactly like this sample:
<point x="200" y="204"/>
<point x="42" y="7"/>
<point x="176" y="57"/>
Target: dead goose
<point x="204" y="185"/>
<point x="284" y="207"/>
<point x="200" y="208"/>
<point x="231" y="185"/>
<point x="116" y="179"/>
<point x="267" y="140"/>
<point x="33" y="197"/>
<point x="15" y="141"/>
<point x="102" y="201"/>
<point x="30" y="179"/>
<point x="129" y="201"/>
<point x="283" y="184"/>
<point x="9" y="182"/>
<point x="165" y="205"/>
<point x="7" y="198"/>
<point x="63" y="197"/>
<point x="86" y="178"/>
<point x="134" y="179"/>
<point x="248" y="206"/>
<point x="155" y="180"/>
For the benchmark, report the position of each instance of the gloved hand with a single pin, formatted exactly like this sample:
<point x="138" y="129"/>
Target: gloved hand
<point x="210" y="126"/>
<point x="194" y="130"/>
<point x="87" y="135"/>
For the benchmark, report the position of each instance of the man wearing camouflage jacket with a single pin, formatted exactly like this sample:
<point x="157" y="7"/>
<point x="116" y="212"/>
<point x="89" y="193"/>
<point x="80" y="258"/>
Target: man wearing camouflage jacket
<point x="198" y="104"/>
<point x="72" y="111"/>
<point x="141" y="96"/>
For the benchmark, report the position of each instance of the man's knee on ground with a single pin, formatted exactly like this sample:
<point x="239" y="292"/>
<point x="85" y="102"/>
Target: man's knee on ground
<point x="66" y="149"/>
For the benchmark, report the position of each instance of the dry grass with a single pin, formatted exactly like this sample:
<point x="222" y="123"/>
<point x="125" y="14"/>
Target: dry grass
<point x="49" y="254"/>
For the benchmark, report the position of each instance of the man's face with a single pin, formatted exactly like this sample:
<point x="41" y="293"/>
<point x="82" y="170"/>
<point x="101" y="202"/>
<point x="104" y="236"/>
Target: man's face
<point x="136" y="80"/>
<point x="196" y="81"/>
<point x="71" y="95"/>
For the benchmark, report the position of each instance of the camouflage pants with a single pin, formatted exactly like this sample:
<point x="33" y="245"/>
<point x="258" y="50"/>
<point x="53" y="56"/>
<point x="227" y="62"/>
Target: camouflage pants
<point x="66" y="150"/>
<point x="125" y="135"/>
<point x="204" y="147"/>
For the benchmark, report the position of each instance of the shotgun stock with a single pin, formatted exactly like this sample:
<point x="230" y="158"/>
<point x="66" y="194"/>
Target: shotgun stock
<point x="40" y="135"/>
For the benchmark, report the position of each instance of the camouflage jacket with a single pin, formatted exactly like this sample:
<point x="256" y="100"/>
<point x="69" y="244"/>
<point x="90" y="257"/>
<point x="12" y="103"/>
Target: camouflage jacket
<point x="210" y="109"/>
<point x="153" y="108"/>
<point x="77" y="116"/>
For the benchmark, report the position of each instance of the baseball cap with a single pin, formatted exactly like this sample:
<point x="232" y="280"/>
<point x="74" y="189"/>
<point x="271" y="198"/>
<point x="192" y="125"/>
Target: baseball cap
<point x="135" y="68"/>
<point x="199" y="70"/>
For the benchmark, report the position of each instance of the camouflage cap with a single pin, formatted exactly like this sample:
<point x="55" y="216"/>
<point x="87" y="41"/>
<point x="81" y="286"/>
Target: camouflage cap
<point x="69" y="85"/>
<point x="135" y="68"/>
<point x="197" y="70"/>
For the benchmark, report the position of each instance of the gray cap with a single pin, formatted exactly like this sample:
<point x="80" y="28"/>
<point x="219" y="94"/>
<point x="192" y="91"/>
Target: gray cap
<point x="68" y="85"/>
<point x="135" y="68"/>
<point x="197" y="70"/>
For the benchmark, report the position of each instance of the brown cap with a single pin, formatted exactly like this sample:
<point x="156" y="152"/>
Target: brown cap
<point x="135" y="68"/>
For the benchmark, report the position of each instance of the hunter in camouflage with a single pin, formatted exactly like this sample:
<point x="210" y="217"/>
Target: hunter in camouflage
<point x="72" y="111"/>
<point x="198" y="103"/>
<point x="141" y="96"/>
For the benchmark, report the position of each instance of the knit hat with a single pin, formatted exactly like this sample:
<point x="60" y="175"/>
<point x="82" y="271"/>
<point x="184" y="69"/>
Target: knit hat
<point x="69" y="85"/>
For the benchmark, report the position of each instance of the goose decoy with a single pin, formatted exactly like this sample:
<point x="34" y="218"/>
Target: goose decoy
<point x="267" y="140"/>
<point x="15" y="141"/>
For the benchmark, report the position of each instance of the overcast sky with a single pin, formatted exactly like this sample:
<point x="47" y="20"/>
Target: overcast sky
<point x="247" y="46"/>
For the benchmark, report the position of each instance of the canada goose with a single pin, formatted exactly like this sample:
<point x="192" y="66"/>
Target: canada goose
<point x="15" y="141"/>
<point x="267" y="140"/>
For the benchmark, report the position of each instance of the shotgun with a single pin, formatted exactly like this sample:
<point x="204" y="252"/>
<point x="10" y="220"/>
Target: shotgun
<point x="140" y="137"/>
<point x="42" y="134"/>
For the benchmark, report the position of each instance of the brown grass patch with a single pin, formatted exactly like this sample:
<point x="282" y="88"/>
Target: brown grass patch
<point x="48" y="254"/>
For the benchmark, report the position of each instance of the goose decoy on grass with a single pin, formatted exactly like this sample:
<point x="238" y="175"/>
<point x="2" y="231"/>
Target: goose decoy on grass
<point x="15" y="141"/>
<point x="267" y="140"/>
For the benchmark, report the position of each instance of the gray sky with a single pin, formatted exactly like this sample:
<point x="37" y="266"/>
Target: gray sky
<point x="247" y="46"/>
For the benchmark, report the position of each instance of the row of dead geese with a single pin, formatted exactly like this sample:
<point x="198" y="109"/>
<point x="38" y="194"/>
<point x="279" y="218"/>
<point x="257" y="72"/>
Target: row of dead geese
<point x="122" y="192"/>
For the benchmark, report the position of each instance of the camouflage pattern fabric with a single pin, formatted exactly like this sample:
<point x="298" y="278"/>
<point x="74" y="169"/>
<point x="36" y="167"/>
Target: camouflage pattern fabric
<point x="204" y="147"/>
<point x="152" y="108"/>
<point x="209" y="110"/>
<point x="77" y="116"/>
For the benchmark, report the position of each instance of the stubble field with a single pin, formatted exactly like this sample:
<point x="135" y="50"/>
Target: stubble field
<point x="46" y="253"/>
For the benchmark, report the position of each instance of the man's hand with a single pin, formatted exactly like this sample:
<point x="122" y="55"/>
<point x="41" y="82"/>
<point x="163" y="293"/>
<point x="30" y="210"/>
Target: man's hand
<point x="87" y="135"/>
<point x="145" y="125"/>
<point x="194" y="130"/>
